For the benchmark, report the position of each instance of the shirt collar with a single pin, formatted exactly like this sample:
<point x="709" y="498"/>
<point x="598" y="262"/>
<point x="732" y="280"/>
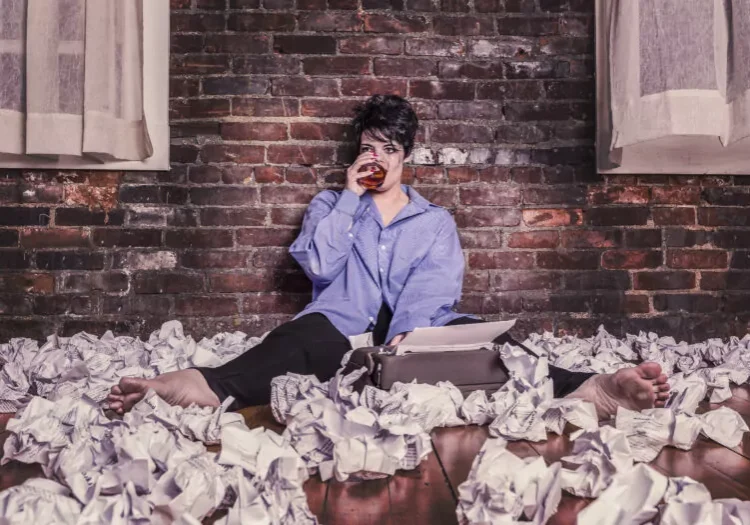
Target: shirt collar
<point x="415" y="199"/>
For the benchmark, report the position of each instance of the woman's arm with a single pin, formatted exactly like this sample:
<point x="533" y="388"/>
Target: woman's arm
<point x="434" y="287"/>
<point x="326" y="239"/>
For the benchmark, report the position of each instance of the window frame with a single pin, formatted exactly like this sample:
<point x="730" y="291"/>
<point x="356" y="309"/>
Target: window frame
<point x="156" y="41"/>
<point x="688" y="155"/>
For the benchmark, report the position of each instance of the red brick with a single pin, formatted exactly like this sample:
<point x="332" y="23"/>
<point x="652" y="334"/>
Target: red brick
<point x="673" y="216"/>
<point x="380" y="23"/>
<point x="327" y="21"/>
<point x="501" y="260"/>
<point x="287" y="216"/>
<point x="198" y="64"/>
<point x="92" y="281"/>
<point x="617" y="303"/>
<point x="435" y="48"/>
<point x="434" y="89"/>
<point x="321" y="131"/>
<point x="304" y="87"/>
<point x="266" y="65"/>
<point x="167" y="282"/>
<point x="569" y="89"/>
<point x="183" y="87"/>
<point x="9" y="238"/>
<point x="463" y="25"/>
<point x="440" y="196"/>
<point x="521" y="134"/>
<point x="288" y="194"/>
<point x="362" y="87"/>
<point x="551" y="217"/>
<point x="304" y="44"/>
<point x="236" y="44"/>
<point x="265" y="107"/>
<point x="618" y="195"/>
<point x="223" y="196"/>
<point x="631" y="259"/>
<point x="463" y="174"/>
<point x="495" y="174"/>
<point x="304" y="155"/>
<point x="490" y="196"/>
<point x="204" y="259"/>
<point x="85" y="217"/>
<point x="564" y="195"/>
<point x="237" y="174"/>
<point x="597" y="280"/>
<point x="241" y="85"/>
<point x="68" y="260"/>
<point x="269" y="174"/>
<point x="53" y="238"/>
<point x="724" y="216"/>
<point x="579" y="260"/>
<point x="509" y="90"/>
<point x="643" y="238"/>
<point x="266" y="303"/>
<point x="233" y="216"/>
<point x="485" y="217"/>
<point x="405" y="67"/>
<point x="371" y="45"/>
<point x="328" y="108"/>
<point x="206" y="306"/>
<point x="184" y="153"/>
<point x="537" y="69"/>
<point x="153" y="194"/>
<point x="476" y="281"/>
<point x="697" y="303"/>
<point x="109" y="237"/>
<point x="566" y="45"/>
<point x="470" y="110"/>
<point x="336" y="66"/>
<point x="262" y="131"/>
<point x="258" y="22"/>
<point x="700" y="259"/>
<point x="278" y="258"/>
<point x="301" y="175"/>
<point x="241" y="282"/>
<point x="535" y="239"/>
<point x="680" y="195"/>
<point x="664" y="280"/>
<point x="429" y="174"/>
<point x="13" y="216"/>
<point x="528" y="26"/>
<point x="471" y="70"/>
<point x="196" y="23"/>
<point x="27" y="283"/>
<point x="266" y="236"/>
<point x="198" y="238"/>
<point x="480" y="239"/>
<point x="242" y="154"/>
<point x="312" y="5"/>
<point x="624" y="216"/>
<point x="514" y="281"/>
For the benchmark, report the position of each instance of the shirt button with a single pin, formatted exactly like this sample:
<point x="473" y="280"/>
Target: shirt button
<point x="381" y="270"/>
<point x="351" y="235"/>
<point x="371" y="319"/>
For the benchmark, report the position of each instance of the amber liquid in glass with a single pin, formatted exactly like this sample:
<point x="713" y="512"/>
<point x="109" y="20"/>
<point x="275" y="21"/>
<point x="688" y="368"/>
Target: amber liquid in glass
<point x="375" y="179"/>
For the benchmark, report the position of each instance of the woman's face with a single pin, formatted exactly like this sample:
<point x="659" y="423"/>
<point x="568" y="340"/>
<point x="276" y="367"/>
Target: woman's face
<point x="390" y="155"/>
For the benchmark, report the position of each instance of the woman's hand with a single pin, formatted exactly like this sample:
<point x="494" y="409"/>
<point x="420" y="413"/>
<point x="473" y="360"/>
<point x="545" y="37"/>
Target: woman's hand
<point x="353" y="175"/>
<point x="397" y="339"/>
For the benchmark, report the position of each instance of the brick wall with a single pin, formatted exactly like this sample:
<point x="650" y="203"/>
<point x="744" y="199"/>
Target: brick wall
<point x="262" y="91"/>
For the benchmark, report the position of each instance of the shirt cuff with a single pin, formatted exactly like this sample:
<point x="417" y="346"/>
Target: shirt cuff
<point x="348" y="202"/>
<point x="405" y="323"/>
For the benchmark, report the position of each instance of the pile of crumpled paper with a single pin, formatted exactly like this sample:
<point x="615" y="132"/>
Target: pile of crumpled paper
<point x="153" y="466"/>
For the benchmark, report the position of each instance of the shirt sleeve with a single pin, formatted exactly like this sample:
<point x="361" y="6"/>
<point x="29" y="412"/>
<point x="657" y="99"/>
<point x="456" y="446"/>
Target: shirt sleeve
<point x="434" y="287"/>
<point x="326" y="239"/>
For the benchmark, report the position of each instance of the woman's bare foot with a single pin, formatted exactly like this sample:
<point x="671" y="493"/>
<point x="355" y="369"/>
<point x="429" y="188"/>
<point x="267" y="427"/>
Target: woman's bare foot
<point x="182" y="388"/>
<point x="637" y="388"/>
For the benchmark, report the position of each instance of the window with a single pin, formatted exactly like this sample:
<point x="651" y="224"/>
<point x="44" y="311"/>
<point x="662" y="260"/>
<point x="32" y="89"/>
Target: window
<point x="77" y="90"/>
<point x="673" y="86"/>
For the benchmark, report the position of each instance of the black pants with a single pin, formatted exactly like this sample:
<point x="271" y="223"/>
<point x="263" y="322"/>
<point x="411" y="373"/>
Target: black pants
<point x="312" y="345"/>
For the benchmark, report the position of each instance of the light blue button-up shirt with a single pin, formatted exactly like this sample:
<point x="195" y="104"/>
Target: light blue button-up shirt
<point x="414" y="265"/>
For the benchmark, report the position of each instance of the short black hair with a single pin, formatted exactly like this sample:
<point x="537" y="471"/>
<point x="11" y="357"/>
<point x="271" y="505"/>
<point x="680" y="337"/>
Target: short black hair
<point x="387" y="117"/>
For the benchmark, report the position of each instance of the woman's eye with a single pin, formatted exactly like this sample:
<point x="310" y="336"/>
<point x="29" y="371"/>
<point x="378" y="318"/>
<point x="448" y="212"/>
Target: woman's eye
<point x="390" y="150"/>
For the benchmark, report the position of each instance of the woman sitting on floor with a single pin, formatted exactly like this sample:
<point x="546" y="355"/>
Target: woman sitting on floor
<point x="384" y="260"/>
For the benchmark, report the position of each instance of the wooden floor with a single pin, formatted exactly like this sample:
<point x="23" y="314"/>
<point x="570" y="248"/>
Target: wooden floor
<point x="428" y="494"/>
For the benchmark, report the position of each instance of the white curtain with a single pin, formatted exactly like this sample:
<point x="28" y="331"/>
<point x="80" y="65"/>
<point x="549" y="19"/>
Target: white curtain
<point x="679" y="67"/>
<point x="76" y="79"/>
